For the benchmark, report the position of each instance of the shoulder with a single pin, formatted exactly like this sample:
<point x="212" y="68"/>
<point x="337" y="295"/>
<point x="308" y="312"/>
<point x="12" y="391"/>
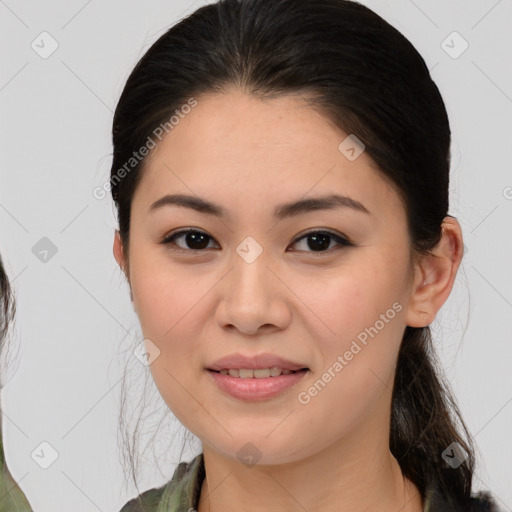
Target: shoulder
<point x="12" y="497"/>
<point x="179" y="494"/>
<point x="478" y="502"/>
<point x="146" y="502"/>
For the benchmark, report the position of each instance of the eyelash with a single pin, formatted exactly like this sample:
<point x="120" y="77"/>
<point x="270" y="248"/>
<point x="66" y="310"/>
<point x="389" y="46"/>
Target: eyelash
<point x="340" y="240"/>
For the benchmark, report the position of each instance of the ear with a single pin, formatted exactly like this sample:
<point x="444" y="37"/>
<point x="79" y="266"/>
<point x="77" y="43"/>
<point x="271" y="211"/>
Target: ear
<point x="434" y="275"/>
<point x="121" y="259"/>
<point x="118" y="251"/>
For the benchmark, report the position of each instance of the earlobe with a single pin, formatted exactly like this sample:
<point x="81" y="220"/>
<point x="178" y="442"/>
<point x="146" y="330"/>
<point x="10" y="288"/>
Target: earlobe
<point x="118" y="252"/>
<point x="434" y="276"/>
<point x="120" y="258"/>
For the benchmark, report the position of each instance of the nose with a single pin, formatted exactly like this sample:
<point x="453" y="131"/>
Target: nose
<point x="253" y="298"/>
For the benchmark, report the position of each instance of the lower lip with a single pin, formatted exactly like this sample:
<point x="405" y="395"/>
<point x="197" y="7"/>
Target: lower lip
<point x="253" y="389"/>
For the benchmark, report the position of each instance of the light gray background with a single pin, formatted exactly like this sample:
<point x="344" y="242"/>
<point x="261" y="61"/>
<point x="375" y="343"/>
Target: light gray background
<point x="74" y="313"/>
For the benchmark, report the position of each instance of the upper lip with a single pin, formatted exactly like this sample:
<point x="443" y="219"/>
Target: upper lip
<point x="256" y="361"/>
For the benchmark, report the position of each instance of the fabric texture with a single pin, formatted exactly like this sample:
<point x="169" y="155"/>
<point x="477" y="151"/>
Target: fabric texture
<point x="12" y="498"/>
<point x="182" y="492"/>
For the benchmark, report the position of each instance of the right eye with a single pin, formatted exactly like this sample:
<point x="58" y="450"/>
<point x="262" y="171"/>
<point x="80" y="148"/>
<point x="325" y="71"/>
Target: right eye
<point x="192" y="237"/>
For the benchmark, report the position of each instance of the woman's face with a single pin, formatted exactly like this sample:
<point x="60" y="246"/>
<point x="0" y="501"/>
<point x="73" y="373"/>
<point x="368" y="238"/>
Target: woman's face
<point x="251" y="282"/>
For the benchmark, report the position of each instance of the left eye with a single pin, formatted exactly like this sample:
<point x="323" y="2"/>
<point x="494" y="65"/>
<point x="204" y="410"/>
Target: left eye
<point x="318" y="241"/>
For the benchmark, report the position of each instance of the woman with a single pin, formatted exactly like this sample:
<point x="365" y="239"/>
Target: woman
<point x="280" y="171"/>
<point x="12" y="498"/>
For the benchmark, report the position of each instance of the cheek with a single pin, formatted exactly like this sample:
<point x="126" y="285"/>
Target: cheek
<point x="170" y="305"/>
<point x="357" y="326"/>
<point x="345" y="301"/>
<point x="358" y="353"/>
<point x="162" y="294"/>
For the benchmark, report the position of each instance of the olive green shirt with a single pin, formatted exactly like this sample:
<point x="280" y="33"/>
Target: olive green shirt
<point x="12" y="498"/>
<point x="182" y="492"/>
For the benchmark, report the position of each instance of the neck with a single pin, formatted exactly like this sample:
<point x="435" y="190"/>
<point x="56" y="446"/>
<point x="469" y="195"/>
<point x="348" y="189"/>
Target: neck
<point x="356" y="474"/>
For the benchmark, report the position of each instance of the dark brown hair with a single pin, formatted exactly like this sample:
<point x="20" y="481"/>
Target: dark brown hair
<point x="7" y="305"/>
<point x="368" y="79"/>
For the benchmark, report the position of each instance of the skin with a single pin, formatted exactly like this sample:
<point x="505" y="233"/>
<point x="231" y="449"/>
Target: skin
<point x="249" y="155"/>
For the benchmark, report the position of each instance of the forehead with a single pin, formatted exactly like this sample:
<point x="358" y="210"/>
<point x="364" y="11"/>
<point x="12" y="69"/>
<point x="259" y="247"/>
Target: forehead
<point x="237" y="149"/>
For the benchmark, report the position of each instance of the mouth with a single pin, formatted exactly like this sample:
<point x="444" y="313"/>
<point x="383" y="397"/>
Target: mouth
<point x="256" y="384"/>
<point x="257" y="373"/>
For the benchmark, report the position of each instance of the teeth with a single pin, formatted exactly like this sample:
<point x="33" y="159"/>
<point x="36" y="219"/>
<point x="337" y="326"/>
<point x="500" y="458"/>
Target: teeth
<point x="257" y="373"/>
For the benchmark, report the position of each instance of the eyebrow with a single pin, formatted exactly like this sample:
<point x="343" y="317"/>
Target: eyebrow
<point x="329" y="202"/>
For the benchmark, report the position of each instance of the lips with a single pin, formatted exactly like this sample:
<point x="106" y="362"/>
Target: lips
<point x="256" y="389"/>
<point x="258" y="361"/>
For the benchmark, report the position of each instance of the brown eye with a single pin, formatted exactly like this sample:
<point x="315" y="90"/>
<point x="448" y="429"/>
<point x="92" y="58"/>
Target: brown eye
<point x="194" y="240"/>
<point x="320" y="241"/>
